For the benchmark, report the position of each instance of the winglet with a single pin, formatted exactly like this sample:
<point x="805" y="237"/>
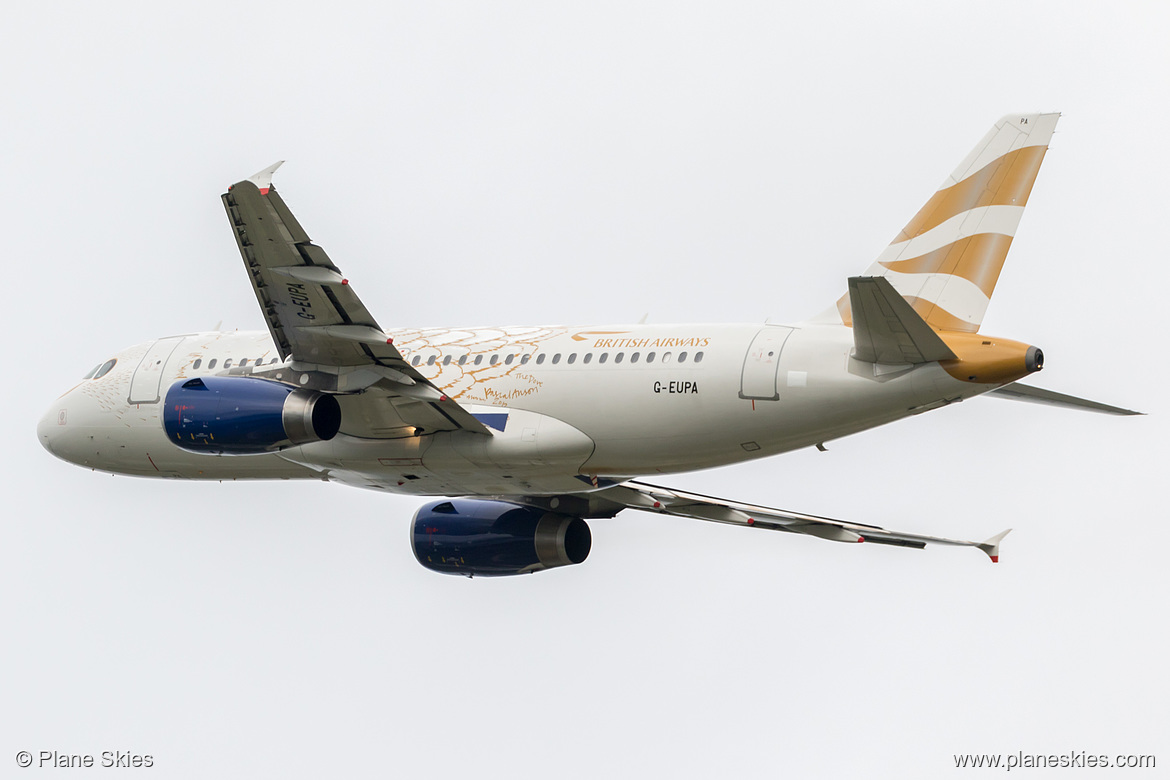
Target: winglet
<point x="991" y="546"/>
<point x="263" y="179"/>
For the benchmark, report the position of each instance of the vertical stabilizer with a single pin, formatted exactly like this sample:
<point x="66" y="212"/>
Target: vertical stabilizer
<point x="947" y="259"/>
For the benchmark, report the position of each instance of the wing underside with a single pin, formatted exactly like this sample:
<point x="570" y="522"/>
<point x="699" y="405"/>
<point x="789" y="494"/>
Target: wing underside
<point x="318" y="321"/>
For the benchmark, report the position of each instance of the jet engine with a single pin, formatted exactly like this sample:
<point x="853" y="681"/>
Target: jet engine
<point x="495" y="538"/>
<point x="239" y="415"/>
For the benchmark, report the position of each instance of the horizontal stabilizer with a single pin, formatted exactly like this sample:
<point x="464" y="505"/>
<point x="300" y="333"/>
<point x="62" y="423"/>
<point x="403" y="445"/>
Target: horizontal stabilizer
<point x="886" y="329"/>
<point x="1018" y="392"/>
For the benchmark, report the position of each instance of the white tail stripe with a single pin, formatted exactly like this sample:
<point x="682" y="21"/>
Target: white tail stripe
<point x="1014" y="131"/>
<point x="985" y="219"/>
<point x="962" y="299"/>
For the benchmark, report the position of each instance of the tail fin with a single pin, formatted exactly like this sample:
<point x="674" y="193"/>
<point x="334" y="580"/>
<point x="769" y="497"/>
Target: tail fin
<point x="947" y="259"/>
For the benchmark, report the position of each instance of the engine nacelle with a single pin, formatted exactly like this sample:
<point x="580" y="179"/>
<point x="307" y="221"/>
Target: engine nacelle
<point x="240" y="415"/>
<point x="495" y="538"/>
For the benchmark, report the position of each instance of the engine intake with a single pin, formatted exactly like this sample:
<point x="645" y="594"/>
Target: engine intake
<point x="226" y="415"/>
<point x="496" y="538"/>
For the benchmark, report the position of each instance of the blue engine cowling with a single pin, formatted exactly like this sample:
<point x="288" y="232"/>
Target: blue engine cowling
<point x="494" y="538"/>
<point x="240" y="415"/>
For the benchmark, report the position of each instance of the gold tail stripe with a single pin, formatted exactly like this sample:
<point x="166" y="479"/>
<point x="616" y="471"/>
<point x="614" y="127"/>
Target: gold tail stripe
<point x="978" y="259"/>
<point x="939" y="318"/>
<point x="935" y="315"/>
<point x="1006" y="181"/>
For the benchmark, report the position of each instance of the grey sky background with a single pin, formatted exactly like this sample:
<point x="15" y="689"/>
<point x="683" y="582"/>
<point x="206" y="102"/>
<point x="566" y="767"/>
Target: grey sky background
<point x="540" y="163"/>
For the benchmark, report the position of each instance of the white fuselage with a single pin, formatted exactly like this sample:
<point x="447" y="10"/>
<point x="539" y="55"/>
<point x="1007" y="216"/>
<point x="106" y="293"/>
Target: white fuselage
<point x="567" y="407"/>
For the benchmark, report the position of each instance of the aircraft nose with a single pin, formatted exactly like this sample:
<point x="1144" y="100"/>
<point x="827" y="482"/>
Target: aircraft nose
<point x="69" y="428"/>
<point x="48" y="426"/>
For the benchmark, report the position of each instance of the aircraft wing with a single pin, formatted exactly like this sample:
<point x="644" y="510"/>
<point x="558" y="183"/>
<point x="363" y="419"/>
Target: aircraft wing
<point x="652" y="498"/>
<point x="315" y="316"/>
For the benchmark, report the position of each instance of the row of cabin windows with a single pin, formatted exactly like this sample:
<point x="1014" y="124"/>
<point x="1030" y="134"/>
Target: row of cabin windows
<point x="666" y="357"/>
<point x="463" y="360"/>
<point x="228" y="363"/>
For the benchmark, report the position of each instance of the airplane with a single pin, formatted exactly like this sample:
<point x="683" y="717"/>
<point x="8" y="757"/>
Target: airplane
<point x="526" y="433"/>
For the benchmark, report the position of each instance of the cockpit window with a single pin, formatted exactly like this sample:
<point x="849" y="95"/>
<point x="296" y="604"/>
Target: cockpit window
<point x="92" y="371"/>
<point x="105" y="368"/>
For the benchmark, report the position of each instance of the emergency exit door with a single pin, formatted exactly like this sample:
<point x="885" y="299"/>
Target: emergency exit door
<point x="758" y="381"/>
<point x="144" y="386"/>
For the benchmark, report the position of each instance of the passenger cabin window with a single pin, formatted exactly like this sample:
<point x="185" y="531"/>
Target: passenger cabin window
<point x="211" y="363"/>
<point x="524" y="359"/>
<point x="540" y="359"/>
<point x="508" y="360"/>
<point x="665" y="357"/>
<point x="649" y="357"/>
<point x="682" y="357"/>
<point x="698" y="357"/>
<point x="227" y="363"/>
<point x="556" y="358"/>
<point x="243" y="362"/>
<point x="446" y="360"/>
<point x="621" y="356"/>
<point x="587" y="358"/>
<point x="478" y="359"/>
<point x="463" y="360"/>
<point x="494" y="360"/>
<point x="431" y="360"/>
<point x="602" y="357"/>
<point x="414" y="361"/>
<point x="198" y="362"/>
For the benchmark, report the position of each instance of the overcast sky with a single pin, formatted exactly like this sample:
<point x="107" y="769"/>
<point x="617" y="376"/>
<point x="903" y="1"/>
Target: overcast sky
<point x="587" y="163"/>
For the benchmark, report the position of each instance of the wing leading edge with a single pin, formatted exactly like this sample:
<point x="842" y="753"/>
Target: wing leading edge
<point x="317" y="319"/>
<point x="653" y="498"/>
